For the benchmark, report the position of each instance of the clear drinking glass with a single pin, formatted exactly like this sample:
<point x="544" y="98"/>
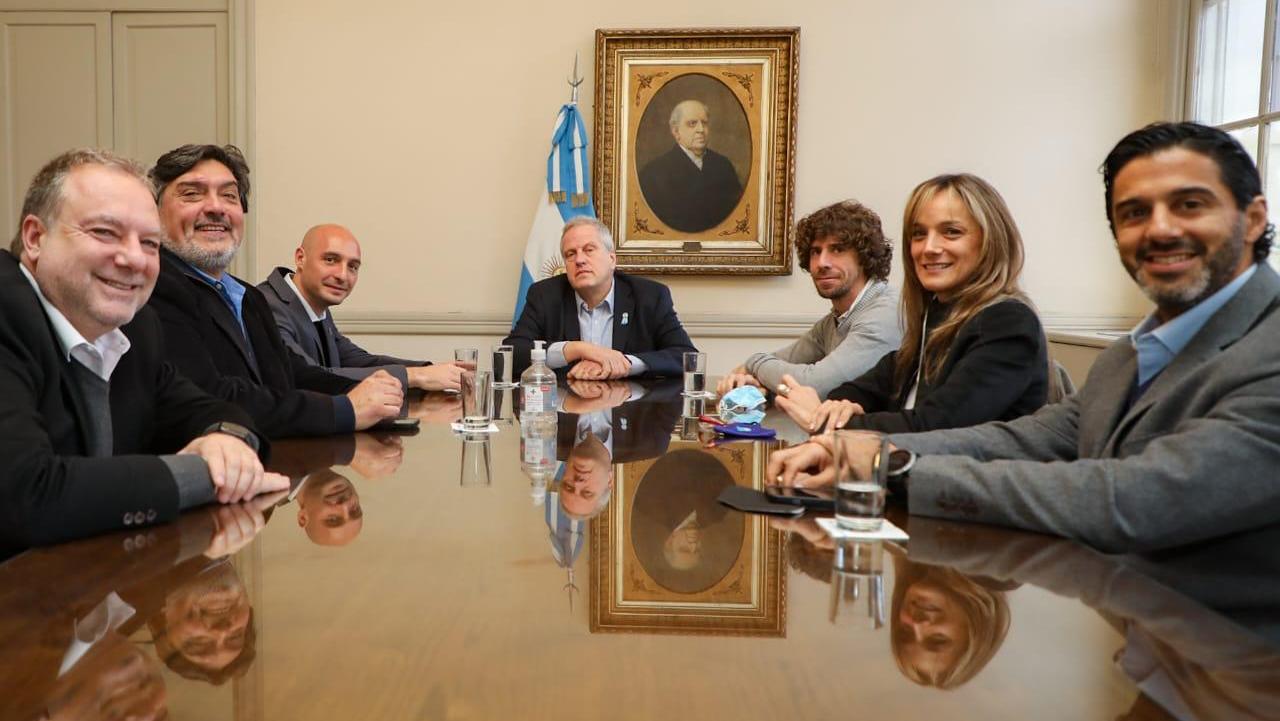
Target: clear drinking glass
<point x="862" y="466"/>
<point x="468" y="357"/>
<point x="477" y="400"/>
<point x="502" y="356"/>
<point x="695" y="374"/>
<point x="857" y="578"/>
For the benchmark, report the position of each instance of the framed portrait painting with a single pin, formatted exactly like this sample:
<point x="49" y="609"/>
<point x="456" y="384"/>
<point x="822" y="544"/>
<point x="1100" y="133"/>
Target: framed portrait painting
<point x="667" y="557"/>
<point x="695" y="148"/>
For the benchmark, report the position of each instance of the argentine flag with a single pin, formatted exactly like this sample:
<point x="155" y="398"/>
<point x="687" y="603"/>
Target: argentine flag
<point x="567" y="194"/>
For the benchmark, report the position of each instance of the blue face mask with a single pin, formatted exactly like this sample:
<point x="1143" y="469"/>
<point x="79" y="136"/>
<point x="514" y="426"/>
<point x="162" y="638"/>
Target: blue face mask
<point x="744" y="404"/>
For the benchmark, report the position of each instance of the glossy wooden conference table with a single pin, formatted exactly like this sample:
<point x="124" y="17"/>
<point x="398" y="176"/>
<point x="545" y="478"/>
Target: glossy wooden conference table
<point x="399" y="583"/>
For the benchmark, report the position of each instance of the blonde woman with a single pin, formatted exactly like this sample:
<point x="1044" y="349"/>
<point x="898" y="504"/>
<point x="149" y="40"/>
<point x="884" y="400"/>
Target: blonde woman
<point x="973" y="350"/>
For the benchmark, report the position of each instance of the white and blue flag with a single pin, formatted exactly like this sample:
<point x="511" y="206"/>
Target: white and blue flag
<point x="567" y="194"/>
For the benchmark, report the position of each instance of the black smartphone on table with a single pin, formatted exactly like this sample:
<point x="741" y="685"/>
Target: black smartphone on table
<point x="821" y="499"/>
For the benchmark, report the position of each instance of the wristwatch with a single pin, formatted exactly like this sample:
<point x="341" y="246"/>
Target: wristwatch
<point x="237" y="430"/>
<point x="901" y="461"/>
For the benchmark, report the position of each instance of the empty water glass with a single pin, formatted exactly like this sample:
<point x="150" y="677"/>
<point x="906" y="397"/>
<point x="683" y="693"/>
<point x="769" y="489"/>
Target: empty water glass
<point x="502" y="356"/>
<point x="695" y="374"/>
<point x="467" y="357"/>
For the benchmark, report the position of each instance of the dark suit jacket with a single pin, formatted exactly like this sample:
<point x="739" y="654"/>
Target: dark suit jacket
<point x="997" y="370"/>
<point x="652" y="331"/>
<point x="49" y="490"/>
<point x="686" y="198"/>
<point x="299" y="335"/>
<point x="640" y="429"/>
<point x="283" y="394"/>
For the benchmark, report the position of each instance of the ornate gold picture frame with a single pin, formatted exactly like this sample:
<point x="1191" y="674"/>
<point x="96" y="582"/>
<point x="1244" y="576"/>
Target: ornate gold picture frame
<point x="666" y="557"/>
<point x="695" y="148"/>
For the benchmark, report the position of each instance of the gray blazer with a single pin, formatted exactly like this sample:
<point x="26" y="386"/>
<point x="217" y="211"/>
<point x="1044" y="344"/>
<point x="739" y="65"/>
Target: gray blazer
<point x="1197" y="456"/>
<point x="300" y="336"/>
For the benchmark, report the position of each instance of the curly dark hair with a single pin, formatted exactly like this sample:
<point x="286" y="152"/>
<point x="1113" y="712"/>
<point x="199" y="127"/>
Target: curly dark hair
<point x="854" y="224"/>
<point x="177" y="162"/>
<point x="1238" y="171"/>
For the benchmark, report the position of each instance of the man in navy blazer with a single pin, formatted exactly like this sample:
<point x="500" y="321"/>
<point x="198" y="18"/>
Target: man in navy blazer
<point x="597" y="322"/>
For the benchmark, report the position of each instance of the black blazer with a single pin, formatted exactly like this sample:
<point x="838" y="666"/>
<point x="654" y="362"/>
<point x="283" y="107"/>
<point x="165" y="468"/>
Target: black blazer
<point x="651" y="331"/>
<point x="282" y="392"/>
<point x="997" y="370"/>
<point x="49" y="490"/>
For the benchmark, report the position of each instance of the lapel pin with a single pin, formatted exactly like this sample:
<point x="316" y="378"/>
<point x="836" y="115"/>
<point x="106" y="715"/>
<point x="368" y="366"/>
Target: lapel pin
<point x="624" y="318"/>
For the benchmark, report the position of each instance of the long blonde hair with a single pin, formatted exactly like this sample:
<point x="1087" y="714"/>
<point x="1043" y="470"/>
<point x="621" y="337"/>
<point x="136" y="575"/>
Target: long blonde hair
<point x="995" y="278"/>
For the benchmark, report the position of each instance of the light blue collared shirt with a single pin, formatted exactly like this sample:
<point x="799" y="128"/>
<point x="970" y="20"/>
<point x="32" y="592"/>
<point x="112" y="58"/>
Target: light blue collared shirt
<point x="1157" y="345"/>
<point x="595" y="326"/>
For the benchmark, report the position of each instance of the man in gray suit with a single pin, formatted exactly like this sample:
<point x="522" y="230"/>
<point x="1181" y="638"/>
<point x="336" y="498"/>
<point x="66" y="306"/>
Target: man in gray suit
<point x="1175" y="436"/>
<point x="327" y="267"/>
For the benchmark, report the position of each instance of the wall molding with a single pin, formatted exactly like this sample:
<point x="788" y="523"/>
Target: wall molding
<point x="700" y="325"/>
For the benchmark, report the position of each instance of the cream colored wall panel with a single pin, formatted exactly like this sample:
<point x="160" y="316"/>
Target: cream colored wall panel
<point x="434" y="123"/>
<point x="55" y="93"/>
<point x="171" y="81"/>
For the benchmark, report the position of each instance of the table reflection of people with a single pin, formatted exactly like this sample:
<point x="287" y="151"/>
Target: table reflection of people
<point x="329" y="509"/>
<point x="205" y="629"/>
<point x="67" y="614"/>
<point x="683" y="538"/>
<point x="116" y="680"/>
<point x="634" y="420"/>
<point x="1188" y="661"/>
<point x="945" y="627"/>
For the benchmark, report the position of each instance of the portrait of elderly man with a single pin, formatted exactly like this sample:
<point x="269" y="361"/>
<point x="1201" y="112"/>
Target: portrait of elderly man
<point x="691" y="187"/>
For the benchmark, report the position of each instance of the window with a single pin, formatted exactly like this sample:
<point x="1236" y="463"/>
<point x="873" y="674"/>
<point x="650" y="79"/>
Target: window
<point x="1234" y="74"/>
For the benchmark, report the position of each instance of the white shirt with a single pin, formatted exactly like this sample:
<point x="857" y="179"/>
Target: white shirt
<point x="101" y="356"/>
<point x="310" y="313"/>
<point x="108" y="615"/>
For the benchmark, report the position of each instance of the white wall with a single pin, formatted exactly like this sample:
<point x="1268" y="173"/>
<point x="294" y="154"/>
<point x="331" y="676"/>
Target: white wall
<point x="423" y="126"/>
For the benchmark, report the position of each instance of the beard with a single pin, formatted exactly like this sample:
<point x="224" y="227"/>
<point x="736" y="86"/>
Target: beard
<point x="1218" y="270"/>
<point x="213" y="262"/>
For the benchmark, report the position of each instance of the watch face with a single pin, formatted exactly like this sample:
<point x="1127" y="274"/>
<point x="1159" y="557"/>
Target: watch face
<point x="899" y="459"/>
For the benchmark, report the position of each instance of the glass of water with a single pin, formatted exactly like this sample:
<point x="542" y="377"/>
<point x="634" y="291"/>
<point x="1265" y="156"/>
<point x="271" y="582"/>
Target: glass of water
<point x="695" y="374"/>
<point x="477" y="400"/>
<point x="502" y="355"/>
<point x="862" y="469"/>
<point x="468" y="357"/>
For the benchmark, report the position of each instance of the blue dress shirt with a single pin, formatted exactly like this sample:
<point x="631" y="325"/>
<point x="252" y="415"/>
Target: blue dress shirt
<point x="1157" y="345"/>
<point x="595" y="325"/>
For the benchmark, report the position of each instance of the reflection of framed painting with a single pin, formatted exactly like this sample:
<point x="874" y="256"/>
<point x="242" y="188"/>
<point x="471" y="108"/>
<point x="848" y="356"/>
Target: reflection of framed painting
<point x="666" y="557"/>
<point x="695" y="148"/>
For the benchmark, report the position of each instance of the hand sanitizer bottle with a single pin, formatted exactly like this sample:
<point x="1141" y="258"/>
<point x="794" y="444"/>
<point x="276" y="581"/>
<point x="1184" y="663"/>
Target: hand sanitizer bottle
<point x="538" y="384"/>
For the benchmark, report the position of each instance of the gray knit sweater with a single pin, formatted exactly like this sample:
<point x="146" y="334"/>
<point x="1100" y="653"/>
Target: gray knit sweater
<point x="836" y="350"/>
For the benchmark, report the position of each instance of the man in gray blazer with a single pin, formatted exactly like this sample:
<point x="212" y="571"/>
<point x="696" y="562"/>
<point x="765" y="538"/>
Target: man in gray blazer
<point x="327" y="267"/>
<point x="1175" y="436"/>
